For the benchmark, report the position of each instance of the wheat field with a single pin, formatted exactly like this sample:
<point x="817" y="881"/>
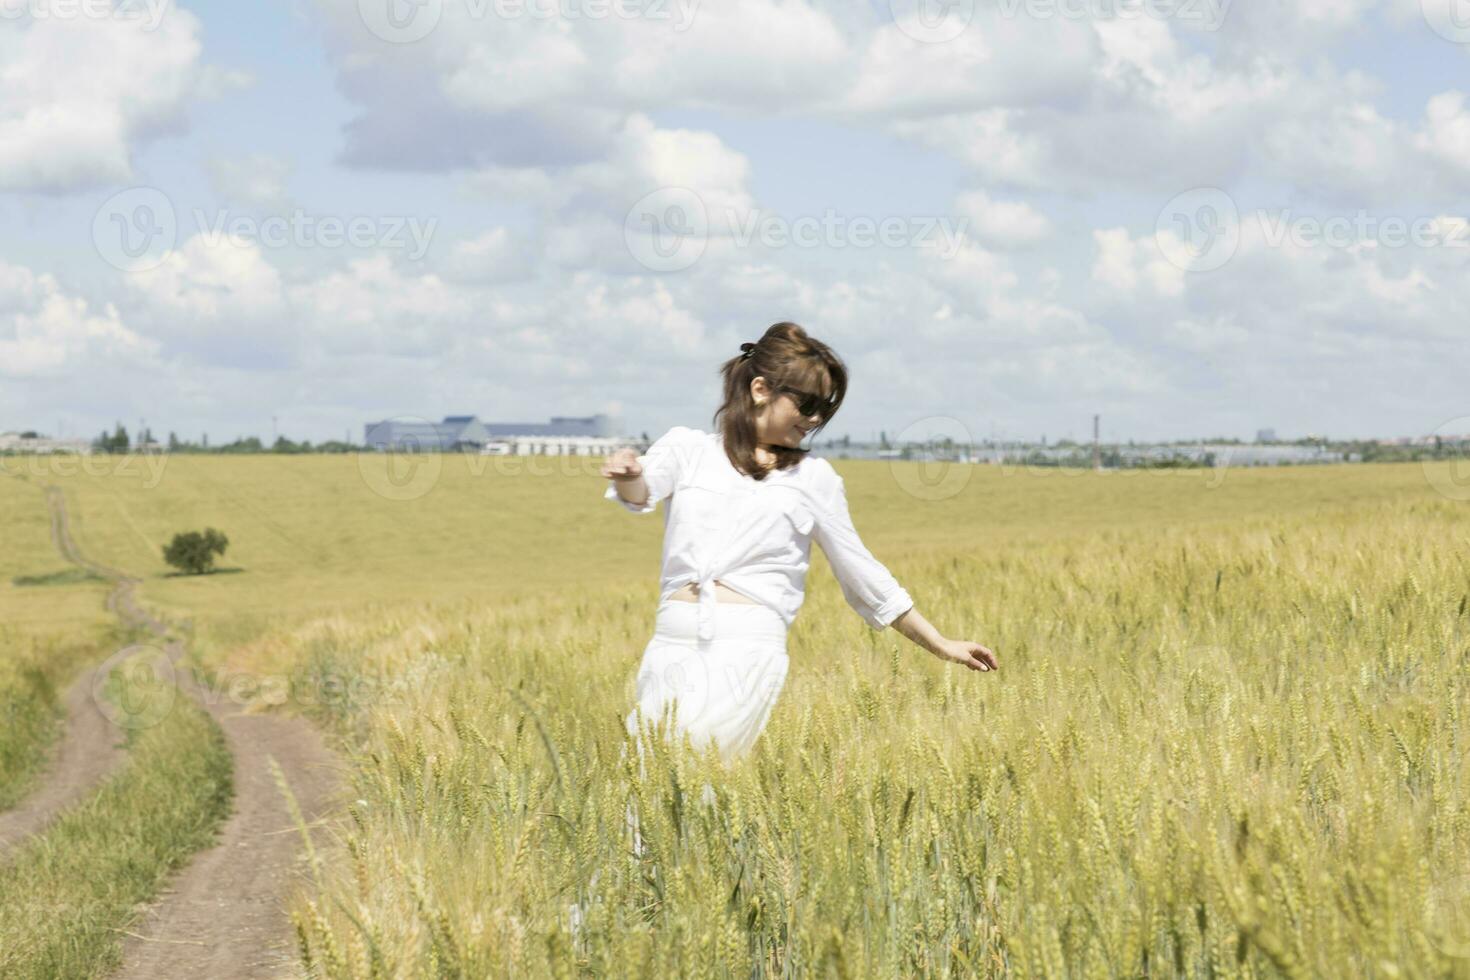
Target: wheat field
<point x="1225" y="738"/>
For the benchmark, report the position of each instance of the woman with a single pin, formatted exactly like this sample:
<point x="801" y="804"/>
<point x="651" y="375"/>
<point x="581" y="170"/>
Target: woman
<point x="744" y="504"/>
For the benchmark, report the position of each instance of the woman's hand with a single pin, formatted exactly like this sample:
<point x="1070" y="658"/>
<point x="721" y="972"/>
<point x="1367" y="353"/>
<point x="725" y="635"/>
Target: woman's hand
<point x="968" y="654"/>
<point x="622" y="465"/>
<point x="913" y="625"/>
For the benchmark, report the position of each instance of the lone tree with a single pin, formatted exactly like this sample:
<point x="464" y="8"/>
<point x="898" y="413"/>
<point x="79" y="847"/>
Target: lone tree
<point x="193" y="552"/>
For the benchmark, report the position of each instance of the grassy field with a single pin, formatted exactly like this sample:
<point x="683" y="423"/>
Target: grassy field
<point x="1224" y="749"/>
<point x="64" y="892"/>
<point x="1225" y="738"/>
<point x="52" y="622"/>
<point x="322" y="534"/>
<point x="41" y="594"/>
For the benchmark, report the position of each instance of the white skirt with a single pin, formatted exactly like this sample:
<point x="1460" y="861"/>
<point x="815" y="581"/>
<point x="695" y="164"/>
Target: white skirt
<point x="719" y="690"/>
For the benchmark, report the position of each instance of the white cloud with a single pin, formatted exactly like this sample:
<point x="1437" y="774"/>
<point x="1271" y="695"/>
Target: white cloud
<point x="1445" y="135"/>
<point x="996" y="61"/>
<point x="251" y="179"/>
<point x="1303" y="28"/>
<point x="520" y="91"/>
<point x="1005" y="224"/>
<point x="1058" y="102"/>
<point x="989" y="142"/>
<point x="1155" y="114"/>
<point x="217" y="301"/>
<point x="1206" y="334"/>
<point x="769" y="54"/>
<point x="647" y="309"/>
<point x="583" y="208"/>
<point x="45" y="333"/>
<point x="77" y="94"/>
<point x="1124" y="262"/>
<point x="640" y="159"/>
<point x="498" y="255"/>
<point x="1292" y="298"/>
<point x="510" y="70"/>
<point x="208" y="280"/>
<point x="571" y="122"/>
<point x="374" y="306"/>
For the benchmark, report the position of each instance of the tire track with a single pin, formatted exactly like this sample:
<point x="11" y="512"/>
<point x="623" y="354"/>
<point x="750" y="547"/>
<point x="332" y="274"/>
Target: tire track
<point x="223" y="916"/>
<point x="90" y="748"/>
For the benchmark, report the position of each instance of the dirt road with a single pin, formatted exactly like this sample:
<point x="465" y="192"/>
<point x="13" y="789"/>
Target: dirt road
<point x="90" y="747"/>
<point x="223" y="916"/>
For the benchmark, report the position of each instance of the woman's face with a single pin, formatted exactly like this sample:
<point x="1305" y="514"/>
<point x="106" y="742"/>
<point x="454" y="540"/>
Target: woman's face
<point x="779" y="421"/>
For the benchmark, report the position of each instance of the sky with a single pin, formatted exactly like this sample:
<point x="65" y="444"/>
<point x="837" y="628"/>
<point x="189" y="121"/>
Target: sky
<point x="1194" y="218"/>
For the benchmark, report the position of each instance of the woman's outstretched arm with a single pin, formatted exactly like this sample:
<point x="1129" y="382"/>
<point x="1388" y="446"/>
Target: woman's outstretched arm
<point x="913" y="625"/>
<point x="870" y="587"/>
<point x="640" y="482"/>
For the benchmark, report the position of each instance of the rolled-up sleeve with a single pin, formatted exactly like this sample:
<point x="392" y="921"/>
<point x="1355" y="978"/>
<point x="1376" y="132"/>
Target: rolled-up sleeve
<point x="660" y="469"/>
<point x="867" y="585"/>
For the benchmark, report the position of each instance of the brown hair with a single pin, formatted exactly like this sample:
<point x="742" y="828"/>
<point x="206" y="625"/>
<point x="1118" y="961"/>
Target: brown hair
<point x="784" y="355"/>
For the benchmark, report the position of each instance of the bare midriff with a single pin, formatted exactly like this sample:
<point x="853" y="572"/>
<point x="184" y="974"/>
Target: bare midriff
<point x="723" y="593"/>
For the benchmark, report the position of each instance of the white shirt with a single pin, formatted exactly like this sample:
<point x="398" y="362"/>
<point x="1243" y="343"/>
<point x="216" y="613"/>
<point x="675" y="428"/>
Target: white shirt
<point x="755" y="535"/>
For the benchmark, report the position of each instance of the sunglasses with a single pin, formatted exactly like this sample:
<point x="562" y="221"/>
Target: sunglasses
<point x="806" y="403"/>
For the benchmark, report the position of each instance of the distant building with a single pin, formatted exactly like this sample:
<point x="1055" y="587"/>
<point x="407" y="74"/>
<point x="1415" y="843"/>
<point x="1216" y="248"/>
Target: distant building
<point x="30" y="442"/>
<point x="457" y="433"/>
<point x="593" y="426"/>
<point x="1265" y="435"/>
<point x="593" y="435"/>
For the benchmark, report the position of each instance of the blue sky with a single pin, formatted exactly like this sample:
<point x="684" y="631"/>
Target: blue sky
<point x="496" y="165"/>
